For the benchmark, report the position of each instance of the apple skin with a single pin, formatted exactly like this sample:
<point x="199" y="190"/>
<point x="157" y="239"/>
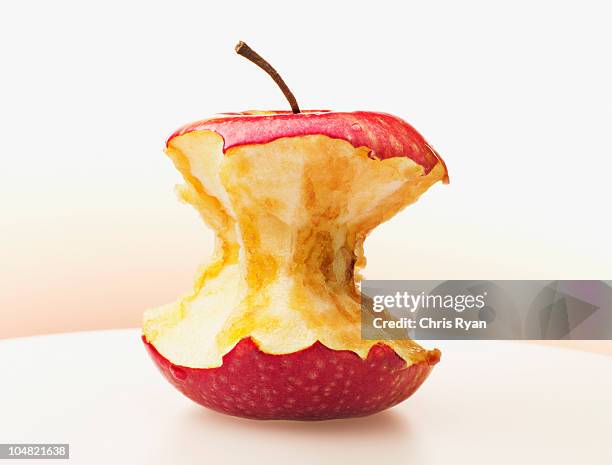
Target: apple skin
<point x="387" y="136"/>
<point x="316" y="383"/>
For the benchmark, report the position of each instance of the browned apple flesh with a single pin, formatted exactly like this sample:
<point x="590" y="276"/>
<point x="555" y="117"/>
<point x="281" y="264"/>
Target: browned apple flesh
<point x="290" y="218"/>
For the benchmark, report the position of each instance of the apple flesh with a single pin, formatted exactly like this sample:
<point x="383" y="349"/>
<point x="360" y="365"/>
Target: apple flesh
<point x="291" y="208"/>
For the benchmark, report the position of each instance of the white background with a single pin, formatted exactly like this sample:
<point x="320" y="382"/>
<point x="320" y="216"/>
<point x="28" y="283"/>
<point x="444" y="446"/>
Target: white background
<point x="514" y="95"/>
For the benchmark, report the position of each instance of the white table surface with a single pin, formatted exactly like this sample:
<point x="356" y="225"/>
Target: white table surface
<point x="486" y="402"/>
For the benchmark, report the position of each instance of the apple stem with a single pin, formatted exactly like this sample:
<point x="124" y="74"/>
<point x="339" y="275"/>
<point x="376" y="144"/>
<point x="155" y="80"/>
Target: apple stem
<point x="247" y="52"/>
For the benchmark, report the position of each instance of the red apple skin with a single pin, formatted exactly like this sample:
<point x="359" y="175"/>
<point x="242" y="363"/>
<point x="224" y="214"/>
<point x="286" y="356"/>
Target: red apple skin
<point x="385" y="135"/>
<point x="316" y="383"/>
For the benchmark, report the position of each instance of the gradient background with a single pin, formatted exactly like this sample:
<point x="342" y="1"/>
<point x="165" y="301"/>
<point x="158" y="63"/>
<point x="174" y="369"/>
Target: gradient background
<point x="515" y="97"/>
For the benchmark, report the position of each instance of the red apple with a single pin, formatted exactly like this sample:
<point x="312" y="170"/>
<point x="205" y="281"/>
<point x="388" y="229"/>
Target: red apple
<point x="276" y="318"/>
<point x="272" y="328"/>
